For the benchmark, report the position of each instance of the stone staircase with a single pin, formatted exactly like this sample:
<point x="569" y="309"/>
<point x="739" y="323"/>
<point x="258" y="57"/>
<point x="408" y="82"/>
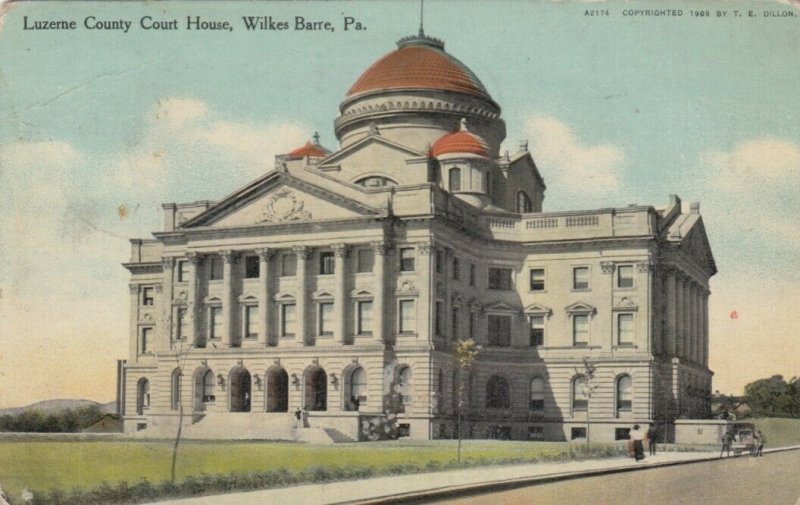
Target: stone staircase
<point x="322" y="436"/>
<point x="337" y="436"/>
<point x="243" y="426"/>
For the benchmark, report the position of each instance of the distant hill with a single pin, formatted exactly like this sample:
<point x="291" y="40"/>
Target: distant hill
<point x="50" y="406"/>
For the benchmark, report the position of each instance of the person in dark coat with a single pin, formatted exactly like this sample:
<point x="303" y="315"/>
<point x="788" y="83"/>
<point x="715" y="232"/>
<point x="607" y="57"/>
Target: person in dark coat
<point x="299" y="416"/>
<point x="727" y="442"/>
<point x="652" y="434"/>
<point x="760" y="441"/>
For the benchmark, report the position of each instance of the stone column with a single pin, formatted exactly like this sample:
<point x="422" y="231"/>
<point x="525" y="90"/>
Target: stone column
<point x="380" y="251"/>
<point x="228" y="260"/>
<point x="264" y="255"/>
<point x="671" y="315"/>
<point x="690" y="318"/>
<point x="705" y="327"/>
<point x="448" y="332"/>
<point x="193" y="296"/>
<point x="687" y="322"/>
<point x="608" y="268"/>
<point x="646" y="268"/>
<point x="696" y="323"/>
<point x="302" y="252"/>
<point x="168" y="265"/>
<point x="426" y="277"/>
<point x="679" y="326"/>
<point x="339" y="295"/>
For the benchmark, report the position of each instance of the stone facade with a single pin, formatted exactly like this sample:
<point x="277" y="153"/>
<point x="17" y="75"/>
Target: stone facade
<point x="340" y="281"/>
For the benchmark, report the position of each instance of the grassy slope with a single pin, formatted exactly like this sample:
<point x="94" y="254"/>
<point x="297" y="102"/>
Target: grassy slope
<point x="47" y="465"/>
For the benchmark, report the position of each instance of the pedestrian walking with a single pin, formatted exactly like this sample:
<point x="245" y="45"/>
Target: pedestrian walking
<point x="760" y="441"/>
<point x="638" y="436"/>
<point x="652" y="434"/>
<point x="299" y="416"/>
<point x="727" y="442"/>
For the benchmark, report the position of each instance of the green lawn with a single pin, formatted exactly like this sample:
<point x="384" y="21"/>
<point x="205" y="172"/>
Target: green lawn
<point x="44" y="465"/>
<point x="779" y="432"/>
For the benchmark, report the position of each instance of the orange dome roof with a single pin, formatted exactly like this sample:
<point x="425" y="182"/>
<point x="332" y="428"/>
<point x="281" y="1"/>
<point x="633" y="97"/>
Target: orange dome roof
<point x="460" y="142"/>
<point x="419" y="63"/>
<point x="313" y="150"/>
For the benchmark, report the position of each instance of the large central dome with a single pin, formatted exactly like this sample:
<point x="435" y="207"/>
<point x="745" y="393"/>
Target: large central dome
<point x="420" y="62"/>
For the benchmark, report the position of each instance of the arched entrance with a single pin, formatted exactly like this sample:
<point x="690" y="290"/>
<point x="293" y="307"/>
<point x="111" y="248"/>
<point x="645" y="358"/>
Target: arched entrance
<point x="277" y="390"/>
<point x="316" y="381"/>
<point x="240" y="390"/>
<point x="142" y="396"/>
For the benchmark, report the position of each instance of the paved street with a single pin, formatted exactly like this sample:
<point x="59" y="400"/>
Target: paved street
<point x="768" y="480"/>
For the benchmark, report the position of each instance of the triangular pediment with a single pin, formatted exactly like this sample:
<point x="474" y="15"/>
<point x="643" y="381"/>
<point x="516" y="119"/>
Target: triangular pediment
<point x="371" y="147"/>
<point x="500" y="307"/>
<point x="580" y="308"/>
<point x="538" y="308"/>
<point x="695" y="245"/>
<point x="279" y="197"/>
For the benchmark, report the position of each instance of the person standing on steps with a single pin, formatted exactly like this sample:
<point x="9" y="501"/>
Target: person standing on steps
<point x="299" y="416"/>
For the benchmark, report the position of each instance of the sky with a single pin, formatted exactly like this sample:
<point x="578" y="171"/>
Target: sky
<point x="98" y="128"/>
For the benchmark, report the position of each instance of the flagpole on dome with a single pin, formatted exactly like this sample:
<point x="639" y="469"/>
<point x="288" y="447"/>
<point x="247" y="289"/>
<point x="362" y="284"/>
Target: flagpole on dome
<point x="421" y="18"/>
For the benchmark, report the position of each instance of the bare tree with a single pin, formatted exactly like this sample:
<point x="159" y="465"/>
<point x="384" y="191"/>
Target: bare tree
<point x="181" y="354"/>
<point x="588" y="372"/>
<point x="464" y="354"/>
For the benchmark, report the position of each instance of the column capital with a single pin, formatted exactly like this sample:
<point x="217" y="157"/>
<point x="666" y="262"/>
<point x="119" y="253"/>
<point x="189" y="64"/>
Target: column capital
<point x="607" y="267"/>
<point x="424" y="248"/>
<point x="302" y="251"/>
<point x="194" y="258"/>
<point x="379" y="248"/>
<point x="168" y="262"/>
<point x="229" y="257"/>
<point x="645" y="266"/>
<point x="134" y="289"/>
<point x="265" y="253"/>
<point x="340" y="250"/>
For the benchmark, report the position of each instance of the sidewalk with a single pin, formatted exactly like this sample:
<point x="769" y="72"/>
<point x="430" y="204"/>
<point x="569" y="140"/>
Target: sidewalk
<point x="439" y="484"/>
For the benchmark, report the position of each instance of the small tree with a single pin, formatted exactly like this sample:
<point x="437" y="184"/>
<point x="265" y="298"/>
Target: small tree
<point x="464" y="355"/>
<point x="181" y="355"/>
<point x="588" y="372"/>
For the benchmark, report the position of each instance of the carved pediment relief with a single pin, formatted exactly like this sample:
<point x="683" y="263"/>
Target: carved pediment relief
<point x="625" y="303"/>
<point x="406" y="288"/>
<point x="457" y="299"/>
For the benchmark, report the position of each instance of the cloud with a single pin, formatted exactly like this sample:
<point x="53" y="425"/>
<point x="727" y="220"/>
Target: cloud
<point x="569" y="165"/>
<point x="767" y="162"/>
<point x="62" y="288"/>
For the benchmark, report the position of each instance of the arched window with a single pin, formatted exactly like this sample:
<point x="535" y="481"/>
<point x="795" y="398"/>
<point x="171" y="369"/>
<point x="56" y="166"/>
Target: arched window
<point x="358" y="389"/>
<point x="375" y="181"/>
<point x="176" y="388"/>
<point x="208" y="387"/>
<point x="624" y="393"/>
<point x="523" y="203"/>
<point x="455" y="179"/>
<point x="403" y="386"/>
<point x="580" y="397"/>
<point x="142" y="396"/>
<point x="537" y="394"/>
<point x="497" y="394"/>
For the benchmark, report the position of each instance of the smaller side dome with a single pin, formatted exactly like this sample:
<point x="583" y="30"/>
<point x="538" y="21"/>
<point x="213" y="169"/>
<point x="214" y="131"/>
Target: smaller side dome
<point x="461" y="142"/>
<point x="310" y="149"/>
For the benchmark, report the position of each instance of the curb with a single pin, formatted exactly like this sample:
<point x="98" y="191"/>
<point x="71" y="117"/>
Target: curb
<point x="440" y="493"/>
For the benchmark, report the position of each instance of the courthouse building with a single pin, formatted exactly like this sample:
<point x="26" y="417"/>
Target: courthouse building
<point x="340" y="280"/>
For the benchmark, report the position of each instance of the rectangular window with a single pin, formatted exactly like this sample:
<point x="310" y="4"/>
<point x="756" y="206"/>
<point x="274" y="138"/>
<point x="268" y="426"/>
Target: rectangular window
<point x="580" y="278"/>
<point x="183" y="271"/>
<point x="580" y="329"/>
<point x="288" y="265"/>
<point x="366" y="260"/>
<point x="500" y="278"/>
<point x="439" y="261"/>
<point x="625" y="276"/>
<point x="622" y="433"/>
<point x="537" y="331"/>
<point x="625" y="329"/>
<point x="364" y="318"/>
<point x="327" y="263"/>
<point x="537" y="279"/>
<point x="438" y="321"/>
<point x="499" y="330"/>
<point x="182" y="324"/>
<point x="408" y="316"/>
<point x="536" y="433"/>
<point x="407" y="259"/>
<point x="456" y="321"/>
<point x="472" y="317"/>
<point x="456" y="269"/>
<point x="326" y="318"/>
<point x="578" y="434"/>
<point x="472" y="274"/>
<point x="251" y="321"/>
<point x="215" y="322"/>
<point x="288" y="322"/>
<point x="215" y="268"/>
<point x="147" y="296"/>
<point x="147" y="340"/>
<point x="251" y="267"/>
